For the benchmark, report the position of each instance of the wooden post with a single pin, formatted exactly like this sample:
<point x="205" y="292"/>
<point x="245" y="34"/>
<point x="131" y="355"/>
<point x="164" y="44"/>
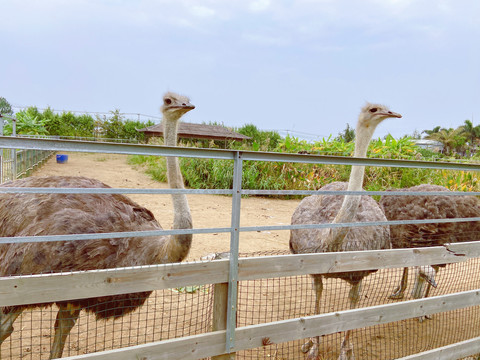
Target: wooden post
<point x="220" y="304"/>
<point x="219" y="322"/>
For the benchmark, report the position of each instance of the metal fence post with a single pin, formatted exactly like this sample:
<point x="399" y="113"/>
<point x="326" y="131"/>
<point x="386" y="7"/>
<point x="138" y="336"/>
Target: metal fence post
<point x="234" y="245"/>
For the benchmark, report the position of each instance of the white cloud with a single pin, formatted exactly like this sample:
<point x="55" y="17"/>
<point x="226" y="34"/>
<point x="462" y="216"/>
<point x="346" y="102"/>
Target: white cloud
<point x="202" y="11"/>
<point x="259" y="5"/>
<point x="263" y="39"/>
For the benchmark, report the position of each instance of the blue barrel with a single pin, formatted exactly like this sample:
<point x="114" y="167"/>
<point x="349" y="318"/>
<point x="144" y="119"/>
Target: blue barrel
<point x="61" y="159"/>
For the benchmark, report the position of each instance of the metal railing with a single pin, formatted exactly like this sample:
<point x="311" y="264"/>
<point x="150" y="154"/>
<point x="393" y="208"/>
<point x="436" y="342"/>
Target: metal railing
<point x="237" y="157"/>
<point x="15" y="163"/>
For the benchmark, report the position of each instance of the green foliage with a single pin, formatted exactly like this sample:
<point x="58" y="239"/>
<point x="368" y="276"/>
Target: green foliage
<point x="113" y="126"/>
<point x="436" y="129"/>
<point x="130" y="130"/>
<point x="5" y="107"/>
<point x="346" y="135"/>
<point x="68" y="124"/>
<point x="191" y="289"/>
<point x="28" y="122"/>
<point x="116" y="127"/>
<point x="471" y="132"/>
<point x="453" y="140"/>
<point x="218" y="174"/>
<point x="260" y="140"/>
<point x="154" y="166"/>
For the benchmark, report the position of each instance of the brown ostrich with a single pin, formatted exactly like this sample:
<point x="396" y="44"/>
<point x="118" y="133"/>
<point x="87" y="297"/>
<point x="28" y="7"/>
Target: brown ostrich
<point x="414" y="207"/>
<point x="343" y="209"/>
<point x="59" y="214"/>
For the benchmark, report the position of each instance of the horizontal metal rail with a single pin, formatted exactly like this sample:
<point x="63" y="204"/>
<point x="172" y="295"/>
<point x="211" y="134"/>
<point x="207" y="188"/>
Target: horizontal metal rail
<point x="46" y="190"/>
<point x="43" y="190"/>
<point x="365" y="192"/>
<point x="135" y="149"/>
<point x="112" y="235"/>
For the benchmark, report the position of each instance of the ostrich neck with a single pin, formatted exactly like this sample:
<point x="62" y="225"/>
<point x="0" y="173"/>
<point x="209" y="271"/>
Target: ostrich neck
<point x="182" y="218"/>
<point x="350" y="204"/>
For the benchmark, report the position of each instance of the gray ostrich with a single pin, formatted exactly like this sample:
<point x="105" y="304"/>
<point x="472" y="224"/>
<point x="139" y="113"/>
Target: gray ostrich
<point x="343" y="209"/>
<point x="59" y="214"/>
<point x="413" y="207"/>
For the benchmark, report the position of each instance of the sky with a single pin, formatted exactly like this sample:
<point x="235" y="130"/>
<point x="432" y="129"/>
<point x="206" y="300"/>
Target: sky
<point x="302" y="66"/>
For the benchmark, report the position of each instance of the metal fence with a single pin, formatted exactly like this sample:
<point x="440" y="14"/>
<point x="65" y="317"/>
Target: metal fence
<point x="15" y="163"/>
<point x="234" y="332"/>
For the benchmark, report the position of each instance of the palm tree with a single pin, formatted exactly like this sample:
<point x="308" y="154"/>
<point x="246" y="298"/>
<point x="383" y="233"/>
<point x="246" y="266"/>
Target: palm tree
<point x="435" y="130"/>
<point x="471" y="132"/>
<point x="452" y="139"/>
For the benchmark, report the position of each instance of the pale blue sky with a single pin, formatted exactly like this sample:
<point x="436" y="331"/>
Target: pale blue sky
<point x="305" y="65"/>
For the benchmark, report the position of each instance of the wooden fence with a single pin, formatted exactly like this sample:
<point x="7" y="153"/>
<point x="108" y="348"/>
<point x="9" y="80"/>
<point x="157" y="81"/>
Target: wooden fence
<point x="57" y="287"/>
<point x="227" y="273"/>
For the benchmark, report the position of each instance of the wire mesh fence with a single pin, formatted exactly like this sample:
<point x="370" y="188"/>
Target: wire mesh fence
<point x="278" y="299"/>
<point x="187" y="311"/>
<point x="165" y="315"/>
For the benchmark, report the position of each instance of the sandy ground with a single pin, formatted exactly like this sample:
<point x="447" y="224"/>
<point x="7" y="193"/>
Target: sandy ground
<point x="208" y="211"/>
<point x="259" y="301"/>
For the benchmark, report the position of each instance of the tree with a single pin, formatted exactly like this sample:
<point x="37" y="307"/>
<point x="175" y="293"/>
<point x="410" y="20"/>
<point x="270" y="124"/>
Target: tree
<point x="5" y="107"/>
<point x="347" y="135"/>
<point x="471" y="132"/>
<point x="265" y="140"/>
<point x="113" y="126"/>
<point x="29" y="122"/>
<point x="435" y="130"/>
<point x="415" y="135"/>
<point x="131" y="132"/>
<point x="452" y="140"/>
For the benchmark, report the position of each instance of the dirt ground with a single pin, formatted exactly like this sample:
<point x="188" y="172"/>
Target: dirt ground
<point x="208" y="211"/>
<point x="259" y="301"/>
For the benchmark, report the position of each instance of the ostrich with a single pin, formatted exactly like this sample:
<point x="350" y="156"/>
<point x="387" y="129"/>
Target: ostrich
<point x="343" y="209"/>
<point x="413" y="207"/>
<point x="58" y="214"/>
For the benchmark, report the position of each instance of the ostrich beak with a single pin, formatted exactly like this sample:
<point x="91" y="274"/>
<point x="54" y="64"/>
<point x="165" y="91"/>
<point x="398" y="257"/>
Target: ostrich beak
<point x="182" y="109"/>
<point x="188" y="106"/>
<point x="391" y="114"/>
<point x="185" y="107"/>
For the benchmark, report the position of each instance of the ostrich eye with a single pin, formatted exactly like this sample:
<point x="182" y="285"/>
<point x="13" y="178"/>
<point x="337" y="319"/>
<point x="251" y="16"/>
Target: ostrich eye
<point x="168" y="101"/>
<point x="373" y="110"/>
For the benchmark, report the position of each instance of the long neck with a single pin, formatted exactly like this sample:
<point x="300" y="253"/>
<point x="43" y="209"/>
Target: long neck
<point x="351" y="203"/>
<point x="179" y="244"/>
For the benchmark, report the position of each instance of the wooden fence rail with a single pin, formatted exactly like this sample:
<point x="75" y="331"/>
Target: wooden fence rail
<point x="21" y="290"/>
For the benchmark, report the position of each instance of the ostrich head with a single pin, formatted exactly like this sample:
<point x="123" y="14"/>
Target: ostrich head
<point x="175" y="106"/>
<point x="373" y="114"/>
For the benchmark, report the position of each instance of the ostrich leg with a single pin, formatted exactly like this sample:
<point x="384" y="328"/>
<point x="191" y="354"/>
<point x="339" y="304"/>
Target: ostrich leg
<point x="400" y="290"/>
<point x="66" y="317"/>
<point x="425" y="276"/>
<point x="346" y="350"/>
<point x="6" y="324"/>
<point x="313" y="344"/>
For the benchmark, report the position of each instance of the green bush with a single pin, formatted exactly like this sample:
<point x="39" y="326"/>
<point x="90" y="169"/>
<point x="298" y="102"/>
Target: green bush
<point x="218" y="174"/>
<point x="30" y="121"/>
